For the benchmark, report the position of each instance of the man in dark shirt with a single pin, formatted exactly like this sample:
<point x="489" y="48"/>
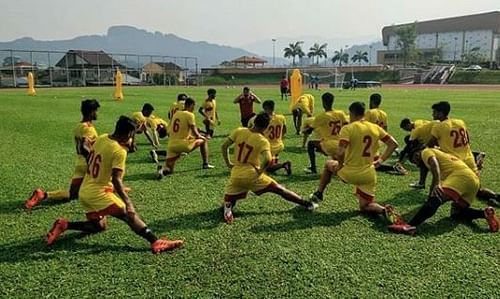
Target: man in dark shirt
<point x="246" y="100"/>
<point x="284" y="88"/>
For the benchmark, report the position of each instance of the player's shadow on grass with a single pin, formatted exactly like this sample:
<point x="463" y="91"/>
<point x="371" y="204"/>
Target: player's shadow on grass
<point x="152" y="176"/>
<point x="408" y="197"/>
<point x="306" y="220"/>
<point x="220" y="136"/>
<point x="12" y="207"/>
<point x="295" y="178"/>
<point x="37" y="250"/>
<point x="295" y="150"/>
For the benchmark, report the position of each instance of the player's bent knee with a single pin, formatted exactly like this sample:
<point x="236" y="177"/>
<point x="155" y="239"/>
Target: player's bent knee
<point x="332" y="166"/>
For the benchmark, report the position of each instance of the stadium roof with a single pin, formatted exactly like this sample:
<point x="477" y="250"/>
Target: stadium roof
<point x="482" y="21"/>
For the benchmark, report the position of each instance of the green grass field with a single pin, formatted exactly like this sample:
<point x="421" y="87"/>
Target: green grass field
<point x="273" y="250"/>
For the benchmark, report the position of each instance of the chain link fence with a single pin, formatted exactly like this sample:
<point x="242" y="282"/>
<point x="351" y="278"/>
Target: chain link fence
<point x="94" y="68"/>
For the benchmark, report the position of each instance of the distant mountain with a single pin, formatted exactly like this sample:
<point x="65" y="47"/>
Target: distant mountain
<point x="130" y="40"/>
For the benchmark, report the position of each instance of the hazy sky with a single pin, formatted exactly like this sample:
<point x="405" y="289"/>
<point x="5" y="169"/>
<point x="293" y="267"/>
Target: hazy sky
<point x="230" y="22"/>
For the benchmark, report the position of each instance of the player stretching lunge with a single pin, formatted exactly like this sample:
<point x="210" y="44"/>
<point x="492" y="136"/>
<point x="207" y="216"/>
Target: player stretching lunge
<point x="184" y="138"/>
<point x="354" y="165"/>
<point x="327" y="125"/>
<point x="454" y="181"/>
<point x="304" y="106"/>
<point x="209" y="112"/>
<point x="274" y="134"/>
<point x="252" y="155"/>
<point x="104" y="175"/>
<point x="85" y="135"/>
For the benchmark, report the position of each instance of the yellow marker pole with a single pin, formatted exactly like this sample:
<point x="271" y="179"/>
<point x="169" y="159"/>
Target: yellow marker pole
<point x="295" y="87"/>
<point x="31" y="85"/>
<point x="118" y="94"/>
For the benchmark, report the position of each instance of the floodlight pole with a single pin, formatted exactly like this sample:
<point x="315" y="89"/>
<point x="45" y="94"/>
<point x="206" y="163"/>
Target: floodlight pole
<point x="13" y="67"/>
<point x="274" y="52"/>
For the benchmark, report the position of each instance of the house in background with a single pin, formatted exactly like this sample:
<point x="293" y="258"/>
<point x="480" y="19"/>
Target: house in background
<point x="248" y="61"/>
<point x="164" y="73"/>
<point x="92" y="68"/>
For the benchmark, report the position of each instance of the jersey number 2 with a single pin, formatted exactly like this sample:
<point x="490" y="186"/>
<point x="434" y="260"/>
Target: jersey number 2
<point x="367" y="140"/>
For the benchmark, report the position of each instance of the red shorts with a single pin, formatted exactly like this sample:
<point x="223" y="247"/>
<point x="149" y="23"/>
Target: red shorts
<point x="112" y="210"/>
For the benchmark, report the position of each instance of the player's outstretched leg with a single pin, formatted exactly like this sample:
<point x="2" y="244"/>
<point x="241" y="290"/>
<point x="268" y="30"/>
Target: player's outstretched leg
<point x="288" y="195"/>
<point x="277" y="166"/>
<point x="489" y="196"/>
<point x="469" y="214"/>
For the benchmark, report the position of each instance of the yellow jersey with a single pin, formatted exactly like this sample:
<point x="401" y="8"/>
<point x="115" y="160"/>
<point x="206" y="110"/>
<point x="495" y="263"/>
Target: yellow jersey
<point x="180" y="126"/>
<point x="422" y="131"/>
<point x="176" y="106"/>
<point x="153" y="122"/>
<point x="362" y="139"/>
<point x="306" y="103"/>
<point x="210" y="110"/>
<point x="376" y="116"/>
<point x="448" y="164"/>
<point x="274" y="131"/>
<point x="107" y="154"/>
<point x="329" y="123"/>
<point x="453" y="138"/>
<point x="84" y="131"/>
<point x="248" y="148"/>
<point x="139" y="119"/>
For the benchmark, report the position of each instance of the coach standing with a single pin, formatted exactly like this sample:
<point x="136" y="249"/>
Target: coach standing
<point x="284" y="85"/>
<point x="246" y="100"/>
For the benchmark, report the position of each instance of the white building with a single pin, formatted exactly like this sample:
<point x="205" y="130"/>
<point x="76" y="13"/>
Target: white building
<point x="449" y="38"/>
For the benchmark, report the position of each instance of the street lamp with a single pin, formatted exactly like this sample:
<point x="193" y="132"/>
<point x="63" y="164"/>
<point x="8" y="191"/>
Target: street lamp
<point x="455" y="51"/>
<point x="370" y="55"/>
<point x="274" y="51"/>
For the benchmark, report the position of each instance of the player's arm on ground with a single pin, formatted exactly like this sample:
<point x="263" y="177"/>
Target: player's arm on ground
<point x="391" y="143"/>
<point x="225" y="154"/>
<point x="433" y="165"/>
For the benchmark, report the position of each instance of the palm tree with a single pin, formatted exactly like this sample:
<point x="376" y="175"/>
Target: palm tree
<point x="360" y="56"/>
<point x="340" y="56"/>
<point x="294" y="50"/>
<point x="317" y="51"/>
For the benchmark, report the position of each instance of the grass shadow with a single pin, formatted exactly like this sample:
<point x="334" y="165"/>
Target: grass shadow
<point x="295" y="150"/>
<point x="37" y="250"/>
<point x="306" y="220"/>
<point x="12" y="207"/>
<point x="205" y="220"/>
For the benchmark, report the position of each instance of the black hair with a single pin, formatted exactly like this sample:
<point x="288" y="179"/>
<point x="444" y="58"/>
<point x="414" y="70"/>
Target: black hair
<point x="268" y="104"/>
<point x="443" y="107"/>
<point x="246" y="88"/>
<point x="376" y="99"/>
<point x="124" y="126"/>
<point x="357" y="108"/>
<point x="211" y="91"/>
<point x="162" y="131"/>
<point x="262" y="120"/>
<point x="405" y="122"/>
<point x="148" y="107"/>
<point x="181" y="96"/>
<point x="328" y="99"/>
<point x="88" y="106"/>
<point x="189" y="102"/>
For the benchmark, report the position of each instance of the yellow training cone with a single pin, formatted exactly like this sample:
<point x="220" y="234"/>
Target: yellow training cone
<point x="295" y="87"/>
<point x="118" y="95"/>
<point x="31" y="85"/>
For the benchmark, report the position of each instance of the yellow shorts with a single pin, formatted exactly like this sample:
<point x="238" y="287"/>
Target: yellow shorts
<point x="176" y="147"/>
<point x="364" y="180"/>
<point x="464" y="183"/>
<point x="97" y="199"/>
<point x="329" y="147"/>
<point x="241" y="185"/>
<point x="80" y="168"/>
<point x="276" y="149"/>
